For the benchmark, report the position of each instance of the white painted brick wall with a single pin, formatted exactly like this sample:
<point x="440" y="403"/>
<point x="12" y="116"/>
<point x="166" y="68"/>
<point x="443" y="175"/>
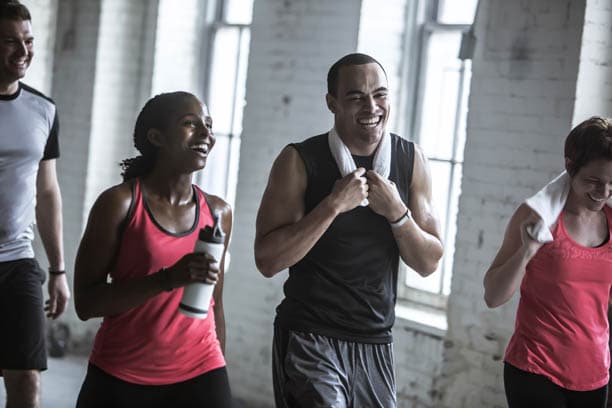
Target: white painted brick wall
<point x="178" y="45"/>
<point x="594" y="88"/>
<point x="521" y="106"/>
<point x="122" y="85"/>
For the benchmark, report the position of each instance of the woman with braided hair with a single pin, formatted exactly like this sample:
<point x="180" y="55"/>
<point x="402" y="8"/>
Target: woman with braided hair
<point x="141" y="233"/>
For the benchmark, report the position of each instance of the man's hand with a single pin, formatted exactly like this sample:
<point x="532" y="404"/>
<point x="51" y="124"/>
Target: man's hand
<point x="59" y="295"/>
<point x="349" y="191"/>
<point x="384" y="198"/>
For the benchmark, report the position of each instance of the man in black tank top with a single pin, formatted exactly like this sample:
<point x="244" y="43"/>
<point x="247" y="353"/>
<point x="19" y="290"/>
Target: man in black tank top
<point x="341" y="238"/>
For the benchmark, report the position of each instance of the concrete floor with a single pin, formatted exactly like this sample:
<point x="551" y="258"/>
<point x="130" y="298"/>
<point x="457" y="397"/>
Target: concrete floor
<point x="60" y="383"/>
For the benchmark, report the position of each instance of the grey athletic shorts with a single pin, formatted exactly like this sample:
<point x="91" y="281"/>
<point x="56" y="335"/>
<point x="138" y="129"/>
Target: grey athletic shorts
<point x="312" y="371"/>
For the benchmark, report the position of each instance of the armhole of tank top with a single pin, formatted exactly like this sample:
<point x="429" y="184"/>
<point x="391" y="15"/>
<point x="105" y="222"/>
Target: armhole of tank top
<point x="301" y="153"/>
<point x="203" y="201"/>
<point x="130" y="211"/>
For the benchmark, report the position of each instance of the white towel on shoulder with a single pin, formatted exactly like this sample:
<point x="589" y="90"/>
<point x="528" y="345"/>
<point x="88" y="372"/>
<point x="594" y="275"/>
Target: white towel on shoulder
<point x="381" y="163"/>
<point x="548" y="204"/>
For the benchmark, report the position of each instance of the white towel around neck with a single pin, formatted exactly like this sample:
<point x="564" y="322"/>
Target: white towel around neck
<point x="381" y="163"/>
<point x="548" y="204"/>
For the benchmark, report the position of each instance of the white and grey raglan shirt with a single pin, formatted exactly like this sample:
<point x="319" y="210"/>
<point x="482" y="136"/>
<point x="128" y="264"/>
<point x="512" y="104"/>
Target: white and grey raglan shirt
<point x="28" y="134"/>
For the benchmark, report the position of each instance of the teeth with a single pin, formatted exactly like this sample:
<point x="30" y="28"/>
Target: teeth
<point x="369" y="121"/>
<point x="597" y="200"/>
<point x="203" y="148"/>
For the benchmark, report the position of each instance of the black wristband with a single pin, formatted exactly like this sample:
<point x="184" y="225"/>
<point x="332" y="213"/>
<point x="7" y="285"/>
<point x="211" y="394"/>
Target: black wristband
<point x="52" y="272"/>
<point x="402" y="216"/>
<point x="401" y="220"/>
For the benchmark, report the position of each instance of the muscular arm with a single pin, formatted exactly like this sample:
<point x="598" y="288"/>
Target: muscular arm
<point x="284" y="234"/>
<point x="418" y="239"/>
<point x="505" y="273"/>
<point x="220" y="206"/>
<point x="49" y="221"/>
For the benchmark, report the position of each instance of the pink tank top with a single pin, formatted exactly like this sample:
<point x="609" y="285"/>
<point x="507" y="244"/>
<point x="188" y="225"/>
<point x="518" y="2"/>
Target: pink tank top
<point x="153" y="344"/>
<point x="561" y="329"/>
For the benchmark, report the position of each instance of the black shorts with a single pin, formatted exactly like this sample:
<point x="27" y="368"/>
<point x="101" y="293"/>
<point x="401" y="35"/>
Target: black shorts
<point x="529" y="390"/>
<point x="102" y="390"/>
<point x="22" y="318"/>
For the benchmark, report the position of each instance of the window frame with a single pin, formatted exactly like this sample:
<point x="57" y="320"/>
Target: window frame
<point x="215" y="21"/>
<point x="422" y="22"/>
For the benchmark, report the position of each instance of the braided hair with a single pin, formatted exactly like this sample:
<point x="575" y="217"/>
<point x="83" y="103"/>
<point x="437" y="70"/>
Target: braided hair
<point x="155" y="114"/>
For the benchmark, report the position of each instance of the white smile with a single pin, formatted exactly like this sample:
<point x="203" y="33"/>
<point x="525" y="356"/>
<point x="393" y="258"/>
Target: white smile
<point x="20" y="63"/>
<point x="201" y="149"/>
<point x="370" y="121"/>
<point x="597" y="200"/>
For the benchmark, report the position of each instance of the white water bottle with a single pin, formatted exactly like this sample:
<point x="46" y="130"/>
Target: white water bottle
<point x="196" y="296"/>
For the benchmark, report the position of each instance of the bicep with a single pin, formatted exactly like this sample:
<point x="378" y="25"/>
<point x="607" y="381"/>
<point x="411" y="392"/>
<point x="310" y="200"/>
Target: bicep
<point x="421" y="196"/>
<point x="98" y="247"/>
<point x="283" y="200"/>
<point x="46" y="178"/>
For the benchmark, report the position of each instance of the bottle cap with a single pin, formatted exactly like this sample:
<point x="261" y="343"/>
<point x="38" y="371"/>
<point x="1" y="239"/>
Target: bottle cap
<point x="213" y="233"/>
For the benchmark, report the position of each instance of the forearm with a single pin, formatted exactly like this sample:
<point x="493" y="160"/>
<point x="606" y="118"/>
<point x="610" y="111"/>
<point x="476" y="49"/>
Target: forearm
<point x="107" y="299"/>
<point x="500" y="282"/>
<point x="287" y="245"/>
<point x="419" y="249"/>
<point x="49" y="221"/>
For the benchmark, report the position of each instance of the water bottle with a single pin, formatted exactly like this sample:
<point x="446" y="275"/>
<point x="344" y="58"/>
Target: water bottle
<point x="196" y="296"/>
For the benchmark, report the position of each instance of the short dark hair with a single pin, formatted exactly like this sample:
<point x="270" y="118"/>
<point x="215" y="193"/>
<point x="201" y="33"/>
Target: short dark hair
<point x="590" y="140"/>
<point x="14" y="10"/>
<point x="347" y="60"/>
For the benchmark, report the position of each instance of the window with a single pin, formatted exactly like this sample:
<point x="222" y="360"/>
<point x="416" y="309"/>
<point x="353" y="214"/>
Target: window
<point x="437" y="117"/>
<point x="224" y="89"/>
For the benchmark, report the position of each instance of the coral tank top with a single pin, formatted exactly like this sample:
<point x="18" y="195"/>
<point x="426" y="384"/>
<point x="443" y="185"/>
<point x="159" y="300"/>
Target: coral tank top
<point x="153" y="344"/>
<point x="561" y="329"/>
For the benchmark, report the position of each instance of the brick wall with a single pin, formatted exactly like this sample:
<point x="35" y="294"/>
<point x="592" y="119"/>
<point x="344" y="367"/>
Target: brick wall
<point x="594" y="86"/>
<point x="123" y="83"/>
<point x="72" y="84"/>
<point x="178" y="44"/>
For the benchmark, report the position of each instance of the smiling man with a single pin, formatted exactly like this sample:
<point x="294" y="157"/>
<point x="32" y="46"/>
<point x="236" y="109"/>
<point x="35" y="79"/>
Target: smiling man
<point x="29" y="192"/>
<point x="339" y="211"/>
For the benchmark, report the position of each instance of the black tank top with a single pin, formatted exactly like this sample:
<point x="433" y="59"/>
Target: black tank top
<point x="346" y="285"/>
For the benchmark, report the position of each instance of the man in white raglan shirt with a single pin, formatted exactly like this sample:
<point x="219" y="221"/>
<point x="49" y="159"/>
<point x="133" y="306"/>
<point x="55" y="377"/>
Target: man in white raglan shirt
<point x="29" y="192"/>
<point x="339" y="211"/>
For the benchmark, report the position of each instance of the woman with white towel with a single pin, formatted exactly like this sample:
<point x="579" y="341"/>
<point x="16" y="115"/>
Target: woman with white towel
<point x="558" y="355"/>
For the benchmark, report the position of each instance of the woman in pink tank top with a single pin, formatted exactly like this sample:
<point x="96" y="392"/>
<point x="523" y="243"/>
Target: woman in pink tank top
<point x="558" y="355"/>
<point x="134" y="260"/>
